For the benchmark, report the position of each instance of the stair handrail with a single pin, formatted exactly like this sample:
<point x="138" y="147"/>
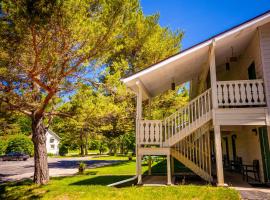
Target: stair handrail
<point x="187" y="115"/>
<point x="190" y="102"/>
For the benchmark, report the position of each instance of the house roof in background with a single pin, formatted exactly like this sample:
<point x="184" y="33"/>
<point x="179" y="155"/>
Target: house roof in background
<point x="54" y="134"/>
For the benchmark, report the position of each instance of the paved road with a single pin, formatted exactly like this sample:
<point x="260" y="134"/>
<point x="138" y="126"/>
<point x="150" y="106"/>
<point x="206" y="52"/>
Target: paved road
<point x="16" y="170"/>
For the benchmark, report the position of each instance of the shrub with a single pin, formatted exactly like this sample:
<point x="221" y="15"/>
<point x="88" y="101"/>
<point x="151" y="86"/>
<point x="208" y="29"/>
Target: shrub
<point x="20" y="143"/>
<point x="63" y="150"/>
<point x="130" y="157"/>
<point x="3" y="146"/>
<point x="82" y="167"/>
<point x="93" y="144"/>
<point x="50" y="154"/>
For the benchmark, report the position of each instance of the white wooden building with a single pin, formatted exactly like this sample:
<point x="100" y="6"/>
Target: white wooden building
<point x="228" y="115"/>
<point x="52" y="142"/>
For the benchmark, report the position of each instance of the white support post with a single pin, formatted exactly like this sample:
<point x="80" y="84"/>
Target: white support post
<point x="138" y="119"/>
<point x="220" y="175"/>
<point x="169" y="175"/>
<point x="213" y="75"/>
<point x="139" y="169"/>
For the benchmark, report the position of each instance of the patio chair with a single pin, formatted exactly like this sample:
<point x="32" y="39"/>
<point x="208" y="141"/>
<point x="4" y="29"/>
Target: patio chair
<point x="236" y="165"/>
<point x="254" y="168"/>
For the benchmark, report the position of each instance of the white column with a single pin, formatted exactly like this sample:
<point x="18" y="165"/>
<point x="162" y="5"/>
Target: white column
<point x="139" y="169"/>
<point x="138" y="118"/>
<point x="219" y="165"/>
<point x="213" y="76"/>
<point x="169" y="175"/>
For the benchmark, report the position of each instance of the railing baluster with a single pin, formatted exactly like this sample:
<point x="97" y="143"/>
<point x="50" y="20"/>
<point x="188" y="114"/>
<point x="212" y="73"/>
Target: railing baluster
<point x="261" y="92"/>
<point x="240" y="93"/>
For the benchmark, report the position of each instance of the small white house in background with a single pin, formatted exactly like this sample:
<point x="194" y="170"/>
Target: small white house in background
<point x="52" y="142"/>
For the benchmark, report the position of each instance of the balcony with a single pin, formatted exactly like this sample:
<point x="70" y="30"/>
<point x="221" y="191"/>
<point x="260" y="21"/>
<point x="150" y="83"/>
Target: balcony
<point x="241" y="93"/>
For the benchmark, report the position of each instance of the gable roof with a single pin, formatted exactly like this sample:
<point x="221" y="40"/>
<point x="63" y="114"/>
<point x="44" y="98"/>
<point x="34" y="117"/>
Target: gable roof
<point x="196" y="51"/>
<point x="54" y="134"/>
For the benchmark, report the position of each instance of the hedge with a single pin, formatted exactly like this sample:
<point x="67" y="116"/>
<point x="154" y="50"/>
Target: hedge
<point x="20" y="143"/>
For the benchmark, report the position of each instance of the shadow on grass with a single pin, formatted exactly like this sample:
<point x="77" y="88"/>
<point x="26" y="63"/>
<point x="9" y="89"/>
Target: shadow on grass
<point x="116" y="164"/>
<point x="16" y="190"/>
<point x="102" y="180"/>
<point x="161" y="167"/>
<point x="70" y="164"/>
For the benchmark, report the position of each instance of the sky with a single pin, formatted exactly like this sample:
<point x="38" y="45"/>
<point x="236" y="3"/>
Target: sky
<point x="202" y="19"/>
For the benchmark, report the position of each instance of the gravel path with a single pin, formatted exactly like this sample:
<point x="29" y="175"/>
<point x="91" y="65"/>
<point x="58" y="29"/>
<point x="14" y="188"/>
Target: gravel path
<point x="17" y="170"/>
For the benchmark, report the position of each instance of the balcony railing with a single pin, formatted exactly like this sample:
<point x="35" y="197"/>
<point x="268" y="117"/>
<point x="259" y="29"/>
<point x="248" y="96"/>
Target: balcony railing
<point x="150" y="132"/>
<point x="240" y="93"/>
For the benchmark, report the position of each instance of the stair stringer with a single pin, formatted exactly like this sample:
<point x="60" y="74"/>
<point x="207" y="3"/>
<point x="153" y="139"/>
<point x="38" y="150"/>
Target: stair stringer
<point x="192" y="166"/>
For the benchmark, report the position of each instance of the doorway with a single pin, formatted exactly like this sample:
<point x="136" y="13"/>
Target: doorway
<point x="265" y="151"/>
<point x="252" y="71"/>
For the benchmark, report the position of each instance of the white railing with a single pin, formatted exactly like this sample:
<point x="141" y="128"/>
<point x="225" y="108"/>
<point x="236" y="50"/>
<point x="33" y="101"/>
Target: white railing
<point x="150" y="132"/>
<point x="187" y="118"/>
<point x="240" y="93"/>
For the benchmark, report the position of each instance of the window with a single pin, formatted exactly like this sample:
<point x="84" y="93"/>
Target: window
<point x="252" y="71"/>
<point x="52" y="146"/>
<point x="51" y="140"/>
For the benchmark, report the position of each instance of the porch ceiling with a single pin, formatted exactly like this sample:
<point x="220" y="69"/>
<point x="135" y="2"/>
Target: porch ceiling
<point x="186" y="65"/>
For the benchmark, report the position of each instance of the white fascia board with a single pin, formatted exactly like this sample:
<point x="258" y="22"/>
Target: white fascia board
<point x="166" y="62"/>
<point x="189" y="51"/>
<point x="242" y="27"/>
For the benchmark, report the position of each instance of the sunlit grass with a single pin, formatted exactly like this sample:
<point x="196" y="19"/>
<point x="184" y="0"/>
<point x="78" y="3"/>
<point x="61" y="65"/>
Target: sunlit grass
<point x="93" y="185"/>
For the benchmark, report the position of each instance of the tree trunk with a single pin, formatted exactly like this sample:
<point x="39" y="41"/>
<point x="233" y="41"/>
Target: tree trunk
<point x="86" y="144"/>
<point x="41" y="173"/>
<point x="82" y="150"/>
<point x="81" y="142"/>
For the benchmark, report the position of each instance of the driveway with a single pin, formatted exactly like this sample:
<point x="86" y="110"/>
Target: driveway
<point x="17" y="170"/>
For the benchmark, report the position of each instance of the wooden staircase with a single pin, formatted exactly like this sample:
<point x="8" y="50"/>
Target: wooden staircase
<point x="194" y="152"/>
<point x="186" y="133"/>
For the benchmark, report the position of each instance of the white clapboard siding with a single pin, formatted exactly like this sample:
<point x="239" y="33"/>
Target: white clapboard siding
<point x="265" y="55"/>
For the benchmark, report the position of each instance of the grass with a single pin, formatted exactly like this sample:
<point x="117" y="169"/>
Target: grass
<point x="92" y="185"/>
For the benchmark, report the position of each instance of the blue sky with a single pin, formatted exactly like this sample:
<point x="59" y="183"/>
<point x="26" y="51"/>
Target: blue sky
<point x="203" y="19"/>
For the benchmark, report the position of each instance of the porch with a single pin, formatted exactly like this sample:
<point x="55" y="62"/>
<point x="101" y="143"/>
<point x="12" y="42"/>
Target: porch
<point x="245" y="143"/>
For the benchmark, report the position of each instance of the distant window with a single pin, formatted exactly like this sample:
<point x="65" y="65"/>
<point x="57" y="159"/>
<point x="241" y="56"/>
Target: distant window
<point x="52" y="146"/>
<point x="51" y="140"/>
<point x="252" y="71"/>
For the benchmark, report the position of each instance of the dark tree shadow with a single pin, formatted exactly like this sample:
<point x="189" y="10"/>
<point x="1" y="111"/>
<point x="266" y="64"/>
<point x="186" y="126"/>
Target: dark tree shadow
<point x="102" y="180"/>
<point x="70" y="164"/>
<point x="11" y="191"/>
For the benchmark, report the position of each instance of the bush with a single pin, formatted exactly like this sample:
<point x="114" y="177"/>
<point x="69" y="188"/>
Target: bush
<point x="93" y="144"/>
<point x="50" y="154"/>
<point x="82" y="167"/>
<point x="20" y="143"/>
<point x="63" y="150"/>
<point x="3" y="146"/>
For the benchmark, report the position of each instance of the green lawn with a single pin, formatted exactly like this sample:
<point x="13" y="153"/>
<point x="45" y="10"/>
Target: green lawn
<point x="92" y="185"/>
